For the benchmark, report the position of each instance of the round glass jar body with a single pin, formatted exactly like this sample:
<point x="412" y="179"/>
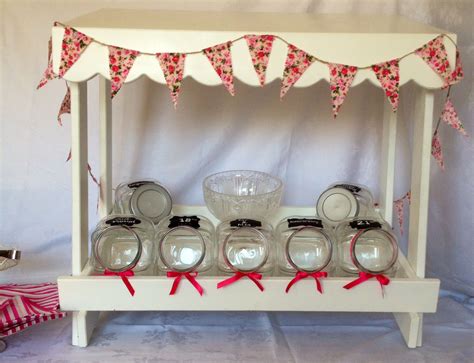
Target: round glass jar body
<point x="305" y="244"/>
<point x="123" y="242"/>
<point x="186" y="243"/>
<point x="366" y="245"/>
<point x="343" y="201"/>
<point x="144" y="198"/>
<point x="245" y="245"/>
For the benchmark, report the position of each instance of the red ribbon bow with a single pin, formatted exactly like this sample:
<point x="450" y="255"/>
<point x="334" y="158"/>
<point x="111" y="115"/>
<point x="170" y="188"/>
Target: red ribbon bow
<point x="238" y="275"/>
<point x="191" y="276"/>
<point x="124" y="275"/>
<point x="364" y="276"/>
<point x="302" y="275"/>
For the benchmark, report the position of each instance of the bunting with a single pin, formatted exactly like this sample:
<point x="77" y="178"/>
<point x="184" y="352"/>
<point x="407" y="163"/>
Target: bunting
<point x="48" y="74"/>
<point x="436" y="150"/>
<point x="388" y="74"/>
<point x="458" y="72"/>
<point x="297" y="62"/>
<point x="172" y="65"/>
<point x="399" y="205"/>
<point x="260" y="47"/>
<point x="434" y="53"/>
<point x="221" y="60"/>
<point x="340" y="80"/>
<point x="450" y="116"/>
<point x="65" y="105"/>
<point x="74" y="43"/>
<point x="120" y="62"/>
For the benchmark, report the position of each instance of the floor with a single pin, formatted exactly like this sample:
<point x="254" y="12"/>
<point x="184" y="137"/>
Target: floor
<point x="253" y="337"/>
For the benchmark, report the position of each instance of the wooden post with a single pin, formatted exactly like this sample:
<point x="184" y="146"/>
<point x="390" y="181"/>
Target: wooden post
<point x="105" y="119"/>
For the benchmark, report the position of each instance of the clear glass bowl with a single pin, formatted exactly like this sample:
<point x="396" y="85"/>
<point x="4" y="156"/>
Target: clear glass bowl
<point x="242" y="194"/>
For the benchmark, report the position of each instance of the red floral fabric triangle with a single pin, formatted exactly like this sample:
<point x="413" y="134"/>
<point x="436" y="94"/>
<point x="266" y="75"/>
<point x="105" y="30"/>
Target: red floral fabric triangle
<point x="172" y="65"/>
<point x="340" y="80"/>
<point x="458" y="72"/>
<point x="48" y="74"/>
<point x="120" y="62"/>
<point x="434" y="53"/>
<point x="436" y="150"/>
<point x="65" y="105"/>
<point x="450" y="116"/>
<point x="221" y="60"/>
<point x="260" y="47"/>
<point x="388" y="74"/>
<point x="74" y="43"/>
<point x="297" y="62"/>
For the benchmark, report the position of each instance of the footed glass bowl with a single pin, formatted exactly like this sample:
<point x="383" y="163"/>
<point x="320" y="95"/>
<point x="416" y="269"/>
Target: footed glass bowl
<point x="242" y="194"/>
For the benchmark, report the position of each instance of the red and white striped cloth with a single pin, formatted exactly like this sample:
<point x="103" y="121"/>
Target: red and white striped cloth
<point x="22" y="306"/>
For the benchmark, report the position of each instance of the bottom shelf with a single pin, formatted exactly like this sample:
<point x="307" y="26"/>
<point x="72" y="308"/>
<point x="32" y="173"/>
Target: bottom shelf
<point x="405" y="293"/>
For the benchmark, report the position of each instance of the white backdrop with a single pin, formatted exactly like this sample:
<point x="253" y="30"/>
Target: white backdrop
<point x="211" y="131"/>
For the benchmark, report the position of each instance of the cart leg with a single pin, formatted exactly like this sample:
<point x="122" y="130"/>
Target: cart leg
<point x="82" y="322"/>
<point x="411" y="324"/>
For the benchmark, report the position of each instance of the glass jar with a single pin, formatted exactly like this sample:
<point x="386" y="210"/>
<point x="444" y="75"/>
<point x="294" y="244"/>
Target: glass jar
<point x="304" y="244"/>
<point x="144" y="198"/>
<point x="123" y="242"/>
<point x="186" y="243"/>
<point x="245" y="245"/>
<point x="366" y="245"/>
<point x="344" y="201"/>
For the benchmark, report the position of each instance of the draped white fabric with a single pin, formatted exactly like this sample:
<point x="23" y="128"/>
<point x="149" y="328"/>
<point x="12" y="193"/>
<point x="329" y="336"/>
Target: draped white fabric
<point x="211" y="131"/>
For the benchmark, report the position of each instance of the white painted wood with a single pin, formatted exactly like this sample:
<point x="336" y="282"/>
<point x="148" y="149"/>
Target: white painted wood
<point x="103" y="293"/>
<point x="105" y="120"/>
<point x="387" y="169"/>
<point x="80" y="208"/>
<point x="410" y="325"/>
<point x="358" y="40"/>
<point x="83" y="324"/>
<point x="420" y="181"/>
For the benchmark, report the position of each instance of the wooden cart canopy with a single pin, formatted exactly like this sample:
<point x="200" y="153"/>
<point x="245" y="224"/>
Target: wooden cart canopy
<point x="355" y="40"/>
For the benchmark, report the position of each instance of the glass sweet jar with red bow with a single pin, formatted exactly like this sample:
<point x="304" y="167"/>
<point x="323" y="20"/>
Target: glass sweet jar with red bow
<point x="368" y="246"/>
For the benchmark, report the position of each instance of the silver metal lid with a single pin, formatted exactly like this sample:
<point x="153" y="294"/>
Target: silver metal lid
<point x="9" y="258"/>
<point x="152" y="201"/>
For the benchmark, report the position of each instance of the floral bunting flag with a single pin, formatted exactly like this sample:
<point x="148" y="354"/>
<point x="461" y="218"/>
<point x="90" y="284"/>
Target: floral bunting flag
<point x="297" y="62"/>
<point x="436" y="150"/>
<point x="399" y="204"/>
<point x="48" y="74"/>
<point x="74" y="43"/>
<point x="65" y="105"/>
<point x="172" y="65"/>
<point x="340" y="80"/>
<point x="388" y="74"/>
<point x="450" y="116"/>
<point x="120" y="62"/>
<point x="221" y="60"/>
<point x="434" y="53"/>
<point x="260" y="47"/>
<point x="458" y="72"/>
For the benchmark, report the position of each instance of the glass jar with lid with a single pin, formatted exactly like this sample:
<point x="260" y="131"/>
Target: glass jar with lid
<point x="185" y="244"/>
<point x="143" y="198"/>
<point x="245" y="245"/>
<point x="343" y="201"/>
<point x="366" y="245"/>
<point x="305" y="244"/>
<point x="123" y="242"/>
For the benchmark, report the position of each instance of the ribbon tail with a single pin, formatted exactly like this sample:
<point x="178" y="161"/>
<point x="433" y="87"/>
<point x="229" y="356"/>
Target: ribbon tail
<point x="318" y="285"/>
<point x="196" y="284"/>
<point x="128" y="285"/>
<point x="228" y="281"/>
<point x="259" y="285"/>
<point x="175" y="285"/>
<point x="292" y="282"/>
<point x="356" y="282"/>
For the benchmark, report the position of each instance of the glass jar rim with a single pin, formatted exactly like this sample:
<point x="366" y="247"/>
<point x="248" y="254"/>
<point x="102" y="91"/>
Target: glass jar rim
<point x="356" y="261"/>
<point x="293" y="263"/>
<point x="265" y="244"/>
<point x="134" y="261"/>
<point x="189" y="229"/>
